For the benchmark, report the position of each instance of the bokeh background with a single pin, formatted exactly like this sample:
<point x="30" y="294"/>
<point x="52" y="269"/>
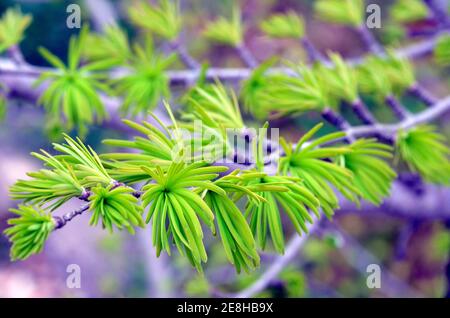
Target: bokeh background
<point x="331" y="264"/>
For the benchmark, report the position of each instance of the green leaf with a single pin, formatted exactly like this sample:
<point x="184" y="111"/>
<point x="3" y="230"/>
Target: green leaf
<point x="425" y="151"/>
<point x="400" y="71"/>
<point x="85" y="161"/>
<point x="109" y="49"/>
<point x="164" y="20"/>
<point x="287" y="95"/>
<point x="265" y="216"/>
<point x="73" y="90"/>
<point x="350" y="12"/>
<point x="175" y="207"/>
<point x="158" y="146"/>
<point x="408" y="11"/>
<point x="3" y="107"/>
<point x="55" y="185"/>
<point x="229" y="32"/>
<point x="442" y="50"/>
<point x="253" y="89"/>
<point x="147" y="83"/>
<point x="237" y="238"/>
<point x="215" y="106"/>
<point x="115" y="206"/>
<point x="12" y="27"/>
<point x="373" y="77"/>
<point x="308" y="163"/>
<point x="289" y="25"/>
<point x="341" y="78"/>
<point x="29" y="231"/>
<point x="371" y="174"/>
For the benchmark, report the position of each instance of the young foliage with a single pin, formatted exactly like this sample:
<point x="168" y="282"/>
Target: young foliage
<point x="350" y="12"/>
<point x="66" y="175"/>
<point x="215" y="107"/>
<point x="265" y="217"/>
<point x="408" y="11"/>
<point x="115" y="206"/>
<point x="425" y="152"/>
<point x="303" y="92"/>
<point x="442" y="50"/>
<point x="56" y="185"/>
<point x="237" y="238"/>
<point x="157" y="148"/>
<point x="277" y="191"/>
<point x="229" y="32"/>
<point x="112" y="48"/>
<point x="85" y="162"/>
<point x="29" y="231"/>
<point x="175" y="207"/>
<point x="400" y="72"/>
<point x="253" y="89"/>
<point x="164" y="20"/>
<point x="72" y="92"/>
<point x="341" y="79"/>
<point x="308" y="162"/>
<point x="289" y="25"/>
<point x="373" y="78"/>
<point x="147" y="82"/>
<point x="372" y="176"/>
<point x="12" y="27"/>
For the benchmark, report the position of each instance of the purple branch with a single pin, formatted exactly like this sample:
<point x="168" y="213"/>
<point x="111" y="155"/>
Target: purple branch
<point x="102" y="13"/>
<point x="292" y="248"/>
<point x="399" y="110"/>
<point x="363" y="113"/>
<point x="432" y="204"/>
<point x="313" y="54"/>
<point x="422" y="94"/>
<point x="337" y="120"/>
<point x="16" y="55"/>
<point x="404" y="237"/>
<point x="184" y="55"/>
<point x="431" y="113"/>
<point x="439" y="11"/>
<point x="370" y="41"/>
<point x="62" y="221"/>
<point x="246" y="56"/>
<point x="178" y="77"/>
<point x="360" y="258"/>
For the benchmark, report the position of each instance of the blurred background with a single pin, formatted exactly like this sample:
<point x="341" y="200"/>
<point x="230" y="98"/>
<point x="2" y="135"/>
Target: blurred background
<point x="413" y="252"/>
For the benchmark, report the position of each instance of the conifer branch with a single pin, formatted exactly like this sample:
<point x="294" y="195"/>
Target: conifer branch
<point x="314" y="174"/>
<point x="63" y="220"/>
<point x="440" y="108"/>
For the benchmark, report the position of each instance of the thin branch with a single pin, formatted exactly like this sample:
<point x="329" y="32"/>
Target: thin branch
<point x="432" y="113"/>
<point x="62" y="221"/>
<point x="360" y="258"/>
<point x="246" y="56"/>
<point x="404" y="237"/>
<point x="16" y="55"/>
<point x="362" y="112"/>
<point x="292" y="248"/>
<point x="313" y="54"/>
<point x="438" y="9"/>
<point x="433" y="203"/>
<point x="102" y="13"/>
<point x="178" y="77"/>
<point x="184" y="55"/>
<point x="370" y="41"/>
<point x="422" y="94"/>
<point x="397" y="107"/>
